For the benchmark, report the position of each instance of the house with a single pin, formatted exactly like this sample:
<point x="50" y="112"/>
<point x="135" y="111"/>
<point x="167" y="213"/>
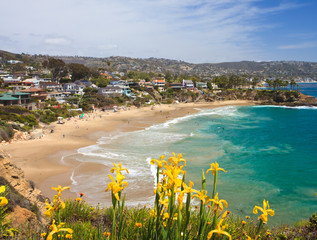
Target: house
<point x="52" y="86"/>
<point x="188" y="84"/>
<point x="146" y="85"/>
<point x="87" y="83"/>
<point x="124" y="85"/>
<point x="176" y="86"/>
<point x="69" y="87"/>
<point x="10" y="78"/>
<point x="80" y="89"/>
<point x="105" y="75"/>
<point x="158" y="82"/>
<point x="17" y="98"/>
<point x="141" y="83"/>
<point x="59" y="96"/>
<point x="203" y="85"/>
<point x="76" y="88"/>
<point x="37" y="93"/>
<point x="34" y="82"/>
<point x="14" y="61"/>
<point x="119" y="82"/>
<point x="110" y="91"/>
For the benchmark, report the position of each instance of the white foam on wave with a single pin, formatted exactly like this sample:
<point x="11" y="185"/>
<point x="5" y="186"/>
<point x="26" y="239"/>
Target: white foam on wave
<point x="152" y="137"/>
<point x="288" y="107"/>
<point x="104" y="155"/>
<point x="72" y="177"/>
<point x="88" y="149"/>
<point x="231" y="111"/>
<point x="65" y="156"/>
<point x="114" y="136"/>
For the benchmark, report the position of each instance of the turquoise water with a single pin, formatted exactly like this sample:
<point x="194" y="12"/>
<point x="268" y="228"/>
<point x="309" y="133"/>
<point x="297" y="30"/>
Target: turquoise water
<point x="269" y="152"/>
<point x="308" y="89"/>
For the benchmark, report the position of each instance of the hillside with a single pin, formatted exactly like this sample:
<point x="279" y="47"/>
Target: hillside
<point x="300" y="71"/>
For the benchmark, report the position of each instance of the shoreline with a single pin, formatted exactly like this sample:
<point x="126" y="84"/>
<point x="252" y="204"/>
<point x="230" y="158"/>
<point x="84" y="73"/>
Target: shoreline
<point x="42" y="159"/>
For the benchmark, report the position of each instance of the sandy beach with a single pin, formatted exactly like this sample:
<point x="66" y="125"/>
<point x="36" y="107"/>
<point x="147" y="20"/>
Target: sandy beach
<point x="42" y="159"/>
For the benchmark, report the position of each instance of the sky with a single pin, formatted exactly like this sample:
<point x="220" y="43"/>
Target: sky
<point x="196" y="31"/>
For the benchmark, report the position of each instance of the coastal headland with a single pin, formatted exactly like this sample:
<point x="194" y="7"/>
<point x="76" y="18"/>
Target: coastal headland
<point x="42" y="159"/>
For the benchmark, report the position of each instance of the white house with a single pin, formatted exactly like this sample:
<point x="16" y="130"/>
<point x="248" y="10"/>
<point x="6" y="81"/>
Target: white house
<point x="110" y="91"/>
<point x="188" y="84"/>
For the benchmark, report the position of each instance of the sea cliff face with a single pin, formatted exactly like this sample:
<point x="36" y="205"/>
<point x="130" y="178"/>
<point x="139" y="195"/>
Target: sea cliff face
<point x="26" y="203"/>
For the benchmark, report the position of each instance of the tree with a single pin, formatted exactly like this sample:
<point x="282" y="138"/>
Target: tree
<point x="94" y="73"/>
<point x="100" y="82"/>
<point x="221" y="81"/>
<point x="255" y="82"/>
<point x="209" y="86"/>
<point x="57" y="67"/>
<point x="168" y="76"/>
<point x="78" y="71"/>
<point x="18" y="67"/>
<point x="269" y="83"/>
<point x="293" y="84"/>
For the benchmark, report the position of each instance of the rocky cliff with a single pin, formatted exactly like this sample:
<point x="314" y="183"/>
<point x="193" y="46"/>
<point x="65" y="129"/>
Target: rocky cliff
<point x="26" y="203"/>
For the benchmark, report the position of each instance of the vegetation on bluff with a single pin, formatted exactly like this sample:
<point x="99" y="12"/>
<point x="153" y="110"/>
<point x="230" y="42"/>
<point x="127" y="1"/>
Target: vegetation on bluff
<point x="179" y="212"/>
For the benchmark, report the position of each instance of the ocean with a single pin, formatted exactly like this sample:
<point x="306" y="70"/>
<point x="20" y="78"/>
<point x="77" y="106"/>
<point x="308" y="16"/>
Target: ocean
<point x="269" y="152"/>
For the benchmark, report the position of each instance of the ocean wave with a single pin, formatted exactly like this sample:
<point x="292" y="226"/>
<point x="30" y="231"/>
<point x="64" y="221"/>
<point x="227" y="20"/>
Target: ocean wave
<point x="230" y="111"/>
<point x="288" y="107"/>
<point x="106" y="155"/>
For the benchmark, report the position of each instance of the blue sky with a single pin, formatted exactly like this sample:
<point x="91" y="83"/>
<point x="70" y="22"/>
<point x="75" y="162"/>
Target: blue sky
<point x="193" y="31"/>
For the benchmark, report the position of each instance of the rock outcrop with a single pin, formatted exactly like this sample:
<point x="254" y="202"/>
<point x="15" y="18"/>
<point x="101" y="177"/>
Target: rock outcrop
<point x="26" y="202"/>
<point x="278" y="97"/>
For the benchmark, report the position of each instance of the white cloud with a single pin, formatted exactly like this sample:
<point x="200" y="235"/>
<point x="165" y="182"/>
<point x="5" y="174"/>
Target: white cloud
<point x="57" y="41"/>
<point x="299" y="46"/>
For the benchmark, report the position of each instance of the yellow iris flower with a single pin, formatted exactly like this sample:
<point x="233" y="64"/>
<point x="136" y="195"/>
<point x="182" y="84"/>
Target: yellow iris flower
<point x="55" y="229"/>
<point x="3" y="200"/>
<point x="176" y="160"/>
<point x="159" y="162"/>
<point x="220" y="229"/>
<point x="214" y="167"/>
<point x="118" y="168"/>
<point x="202" y="195"/>
<point x="57" y="201"/>
<point x="164" y="202"/>
<point x="219" y="203"/>
<point x="188" y="189"/>
<point x="180" y="199"/>
<point x="117" y="185"/>
<point x="265" y="210"/>
<point x="173" y="180"/>
<point x="50" y="209"/>
<point x="60" y="189"/>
